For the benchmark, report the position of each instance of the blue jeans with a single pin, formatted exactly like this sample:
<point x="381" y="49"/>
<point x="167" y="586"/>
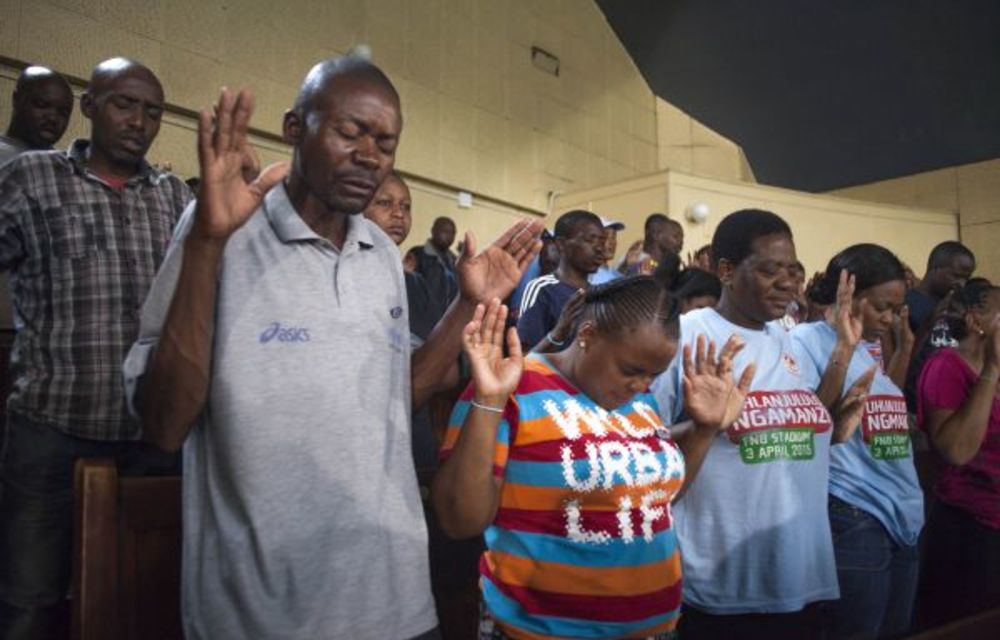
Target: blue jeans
<point x="878" y="576"/>
<point x="36" y="516"/>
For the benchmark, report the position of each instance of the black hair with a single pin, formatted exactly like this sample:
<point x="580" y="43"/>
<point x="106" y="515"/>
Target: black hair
<point x="705" y="249"/>
<point x="943" y="254"/>
<point x="440" y="219"/>
<point x="733" y="238"/>
<point x="626" y="303"/>
<point x="695" y="283"/>
<point x="870" y="264"/>
<point x="567" y="223"/>
<point x="668" y="270"/>
<point x="960" y="301"/>
<point x="653" y="220"/>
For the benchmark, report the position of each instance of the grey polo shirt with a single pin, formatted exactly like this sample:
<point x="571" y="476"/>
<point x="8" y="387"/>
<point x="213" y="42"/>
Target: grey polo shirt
<point x="302" y="517"/>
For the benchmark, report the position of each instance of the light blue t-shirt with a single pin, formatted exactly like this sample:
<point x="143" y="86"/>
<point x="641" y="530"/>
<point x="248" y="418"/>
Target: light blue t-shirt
<point x="753" y="526"/>
<point x="874" y="469"/>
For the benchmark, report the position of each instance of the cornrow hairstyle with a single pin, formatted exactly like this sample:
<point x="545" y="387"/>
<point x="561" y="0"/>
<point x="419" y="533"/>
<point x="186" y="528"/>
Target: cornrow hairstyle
<point x="961" y="301"/>
<point x="695" y="283"/>
<point x="624" y="304"/>
<point x="568" y="222"/>
<point x="734" y="237"/>
<point x="870" y="264"/>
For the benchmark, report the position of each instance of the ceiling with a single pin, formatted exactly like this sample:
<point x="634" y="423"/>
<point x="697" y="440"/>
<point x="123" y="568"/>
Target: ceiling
<point x="824" y="94"/>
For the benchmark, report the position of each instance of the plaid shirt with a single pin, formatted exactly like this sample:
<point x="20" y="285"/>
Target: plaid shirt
<point x="81" y="257"/>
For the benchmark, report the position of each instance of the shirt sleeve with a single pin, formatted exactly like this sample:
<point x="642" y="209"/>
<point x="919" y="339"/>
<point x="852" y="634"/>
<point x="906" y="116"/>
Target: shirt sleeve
<point x="667" y="389"/>
<point x="13" y="205"/>
<point x="457" y="421"/>
<point x="943" y="384"/>
<point x="155" y="308"/>
<point x="534" y="322"/>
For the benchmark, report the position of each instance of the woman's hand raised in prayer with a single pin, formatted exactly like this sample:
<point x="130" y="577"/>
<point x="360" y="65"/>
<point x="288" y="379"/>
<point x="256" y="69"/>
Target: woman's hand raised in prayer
<point x="845" y="319"/>
<point x="712" y="397"/>
<point x="494" y="376"/>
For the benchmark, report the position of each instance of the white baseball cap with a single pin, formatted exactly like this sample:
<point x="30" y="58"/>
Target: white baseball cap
<point x="612" y="224"/>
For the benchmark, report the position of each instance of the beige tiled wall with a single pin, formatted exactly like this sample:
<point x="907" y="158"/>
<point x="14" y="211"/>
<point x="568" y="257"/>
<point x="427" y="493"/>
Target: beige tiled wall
<point x="971" y="190"/>
<point x="689" y="146"/>
<point x="478" y="116"/>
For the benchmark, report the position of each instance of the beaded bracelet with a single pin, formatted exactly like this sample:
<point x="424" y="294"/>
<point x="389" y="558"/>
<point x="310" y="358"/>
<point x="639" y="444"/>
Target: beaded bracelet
<point x="554" y="342"/>
<point x="486" y="407"/>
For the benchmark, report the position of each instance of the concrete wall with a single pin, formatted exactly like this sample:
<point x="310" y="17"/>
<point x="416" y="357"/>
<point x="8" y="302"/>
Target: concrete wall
<point x="972" y="191"/>
<point x="822" y="225"/>
<point x="478" y="116"/>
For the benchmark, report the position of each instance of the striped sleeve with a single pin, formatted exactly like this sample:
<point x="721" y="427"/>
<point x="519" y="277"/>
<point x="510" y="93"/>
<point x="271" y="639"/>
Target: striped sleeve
<point x="457" y="421"/>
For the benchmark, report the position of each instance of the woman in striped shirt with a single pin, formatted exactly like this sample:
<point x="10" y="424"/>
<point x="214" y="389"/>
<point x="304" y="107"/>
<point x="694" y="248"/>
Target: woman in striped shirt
<point x="562" y="460"/>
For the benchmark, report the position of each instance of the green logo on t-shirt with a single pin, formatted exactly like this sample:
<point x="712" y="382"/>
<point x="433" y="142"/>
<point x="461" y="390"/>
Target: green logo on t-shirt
<point x="777" y="444"/>
<point x="884" y="427"/>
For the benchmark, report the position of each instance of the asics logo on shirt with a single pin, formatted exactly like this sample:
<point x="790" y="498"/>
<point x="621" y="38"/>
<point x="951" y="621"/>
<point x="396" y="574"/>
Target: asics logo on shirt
<point x="278" y="333"/>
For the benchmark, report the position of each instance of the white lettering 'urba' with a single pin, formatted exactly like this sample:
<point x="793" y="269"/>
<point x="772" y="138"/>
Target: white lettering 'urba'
<point x="633" y="463"/>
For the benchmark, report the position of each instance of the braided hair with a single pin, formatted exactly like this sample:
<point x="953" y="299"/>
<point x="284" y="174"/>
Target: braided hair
<point x="624" y="304"/>
<point x="870" y="264"/>
<point x="962" y="300"/>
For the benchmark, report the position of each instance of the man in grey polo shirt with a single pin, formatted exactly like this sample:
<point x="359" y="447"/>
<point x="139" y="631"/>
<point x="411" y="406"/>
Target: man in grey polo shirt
<point x="275" y="341"/>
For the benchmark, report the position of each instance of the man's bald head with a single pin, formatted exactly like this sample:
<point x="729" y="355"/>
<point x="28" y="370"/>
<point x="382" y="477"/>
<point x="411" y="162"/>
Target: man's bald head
<point x="35" y="76"/>
<point x="316" y="88"/>
<point x="43" y="103"/>
<point x="106" y="74"/>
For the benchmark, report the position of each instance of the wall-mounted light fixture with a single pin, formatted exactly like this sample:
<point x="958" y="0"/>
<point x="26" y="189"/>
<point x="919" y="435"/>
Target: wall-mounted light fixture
<point x="545" y="61"/>
<point x="698" y="212"/>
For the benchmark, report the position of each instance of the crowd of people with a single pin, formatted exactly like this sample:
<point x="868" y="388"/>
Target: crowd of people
<point x="661" y="446"/>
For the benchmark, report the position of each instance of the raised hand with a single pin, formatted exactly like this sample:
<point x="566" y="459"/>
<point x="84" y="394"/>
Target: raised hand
<point x="495" y="271"/>
<point x="631" y="256"/>
<point x="847" y="323"/>
<point x="712" y="397"/>
<point x="566" y="325"/>
<point x="850" y="408"/>
<point x="494" y="376"/>
<point x="901" y="330"/>
<point x="992" y="345"/>
<point x="226" y="200"/>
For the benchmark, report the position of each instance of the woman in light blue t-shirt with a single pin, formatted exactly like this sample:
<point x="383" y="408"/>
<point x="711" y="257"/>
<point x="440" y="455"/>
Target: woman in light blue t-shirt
<point x="757" y="552"/>
<point x="876" y="506"/>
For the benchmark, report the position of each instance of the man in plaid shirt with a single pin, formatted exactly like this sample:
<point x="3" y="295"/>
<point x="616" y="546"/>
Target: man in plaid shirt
<point x="82" y="234"/>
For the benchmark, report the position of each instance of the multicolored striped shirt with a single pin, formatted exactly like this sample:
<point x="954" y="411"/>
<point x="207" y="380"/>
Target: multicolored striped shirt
<point x="582" y="545"/>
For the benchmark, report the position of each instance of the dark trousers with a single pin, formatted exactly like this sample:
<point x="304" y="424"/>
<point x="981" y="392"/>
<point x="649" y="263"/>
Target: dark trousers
<point x="36" y="517"/>
<point x="807" y="624"/>
<point x="878" y="576"/>
<point x="961" y="567"/>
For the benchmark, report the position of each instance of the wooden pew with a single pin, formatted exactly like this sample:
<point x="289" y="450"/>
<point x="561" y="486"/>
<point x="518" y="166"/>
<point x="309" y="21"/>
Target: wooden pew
<point x="126" y="561"/>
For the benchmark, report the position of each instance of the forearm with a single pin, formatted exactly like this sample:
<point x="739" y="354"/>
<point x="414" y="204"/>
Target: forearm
<point x="832" y="382"/>
<point x="694" y="443"/>
<point x="465" y="491"/>
<point x="430" y="364"/>
<point x="174" y="389"/>
<point x="960" y="436"/>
